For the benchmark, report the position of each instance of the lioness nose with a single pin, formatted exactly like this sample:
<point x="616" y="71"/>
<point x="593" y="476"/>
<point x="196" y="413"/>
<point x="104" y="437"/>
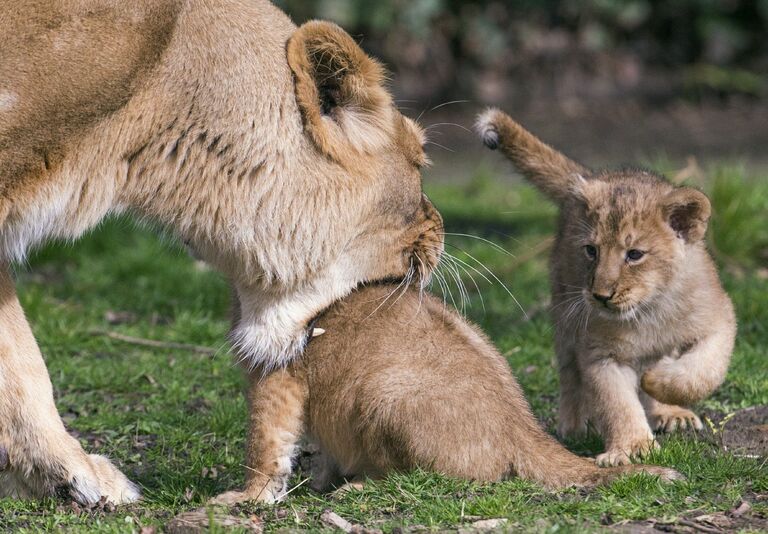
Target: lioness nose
<point x="602" y="297"/>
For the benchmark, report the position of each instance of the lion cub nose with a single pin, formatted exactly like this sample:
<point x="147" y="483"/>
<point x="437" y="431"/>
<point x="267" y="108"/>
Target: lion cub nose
<point x="603" y="298"/>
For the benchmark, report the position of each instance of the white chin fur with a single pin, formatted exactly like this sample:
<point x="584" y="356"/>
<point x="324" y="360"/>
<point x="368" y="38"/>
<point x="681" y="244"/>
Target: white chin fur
<point x="272" y="329"/>
<point x="261" y="346"/>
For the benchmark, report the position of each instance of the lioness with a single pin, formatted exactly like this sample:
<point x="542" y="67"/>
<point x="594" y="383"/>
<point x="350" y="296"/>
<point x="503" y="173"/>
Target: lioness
<point x="275" y="153"/>
<point x="399" y="381"/>
<point x="642" y="325"/>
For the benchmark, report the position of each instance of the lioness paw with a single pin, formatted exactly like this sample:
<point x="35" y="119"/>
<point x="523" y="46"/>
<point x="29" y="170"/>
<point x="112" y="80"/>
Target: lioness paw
<point x="102" y="480"/>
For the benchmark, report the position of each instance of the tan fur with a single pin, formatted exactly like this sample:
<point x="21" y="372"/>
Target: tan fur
<point x="661" y="325"/>
<point x="406" y="383"/>
<point x="274" y="152"/>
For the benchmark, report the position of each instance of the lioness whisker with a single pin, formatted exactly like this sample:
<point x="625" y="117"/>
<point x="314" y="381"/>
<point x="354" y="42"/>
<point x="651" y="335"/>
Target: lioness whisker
<point x="448" y="289"/>
<point x="525" y="314"/>
<point x="453" y="259"/>
<point x="464" y="296"/>
<point x="408" y="279"/>
<point x="447" y="124"/>
<point x="448" y="104"/>
<point x="428" y="142"/>
<point x="473" y="268"/>
<point x="441" y="282"/>
<point x="402" y="282"/>
<point x="484" y="240"/>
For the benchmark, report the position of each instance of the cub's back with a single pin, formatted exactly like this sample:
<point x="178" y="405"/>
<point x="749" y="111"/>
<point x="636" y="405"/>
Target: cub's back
<point x="397" y="381"/>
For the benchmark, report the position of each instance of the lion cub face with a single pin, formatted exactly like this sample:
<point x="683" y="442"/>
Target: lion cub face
<point x="629" y="232"/>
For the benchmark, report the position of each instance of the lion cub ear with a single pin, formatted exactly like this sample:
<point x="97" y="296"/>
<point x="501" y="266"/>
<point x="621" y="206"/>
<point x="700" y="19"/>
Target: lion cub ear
<point x="687" y="211"/>
<point x="340" y="92"/>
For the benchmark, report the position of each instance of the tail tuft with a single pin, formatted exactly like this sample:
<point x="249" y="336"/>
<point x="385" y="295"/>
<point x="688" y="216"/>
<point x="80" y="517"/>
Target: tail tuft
<point x="606" y="475"/>
<point x="486" y="126"/>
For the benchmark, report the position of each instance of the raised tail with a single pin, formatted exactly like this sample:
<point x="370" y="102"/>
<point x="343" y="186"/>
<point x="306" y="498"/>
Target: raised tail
<point x="551" y="172"/>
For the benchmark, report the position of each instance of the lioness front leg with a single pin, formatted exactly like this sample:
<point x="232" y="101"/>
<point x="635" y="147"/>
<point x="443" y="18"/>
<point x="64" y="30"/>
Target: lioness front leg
<point x="39" y="455"/>
<point x="276" y="413"/>
<point x="617" y="412"/>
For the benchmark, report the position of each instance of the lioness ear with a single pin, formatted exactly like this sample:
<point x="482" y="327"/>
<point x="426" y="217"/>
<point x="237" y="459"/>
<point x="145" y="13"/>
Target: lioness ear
<point x="340" y="91"/>
<point x="687" y="211"/>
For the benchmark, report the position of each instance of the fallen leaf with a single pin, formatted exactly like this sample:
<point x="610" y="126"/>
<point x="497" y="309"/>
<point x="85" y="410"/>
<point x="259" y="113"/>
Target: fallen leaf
<point x="741" y="509"/>
<point x="333" y="519"/>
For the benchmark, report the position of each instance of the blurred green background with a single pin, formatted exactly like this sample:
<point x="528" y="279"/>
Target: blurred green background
<point x="608" y="81"/>
<point x="452" y="48"/>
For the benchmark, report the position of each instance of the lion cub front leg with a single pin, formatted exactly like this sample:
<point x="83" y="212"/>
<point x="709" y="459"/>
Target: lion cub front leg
<point x="617" y="411"/>
<point x="572" y="418"/>
<point x="276" y="413"/>
<point x="668" y="417"/>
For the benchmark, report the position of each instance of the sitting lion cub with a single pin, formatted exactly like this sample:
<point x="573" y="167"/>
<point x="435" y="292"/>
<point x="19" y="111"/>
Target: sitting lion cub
<point x="643" y="325"/>
<point x="398" y="382"/>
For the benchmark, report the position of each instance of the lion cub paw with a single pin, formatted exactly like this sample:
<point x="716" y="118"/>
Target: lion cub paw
<point x="668" y="418"/>
<point x="623" y="455"/>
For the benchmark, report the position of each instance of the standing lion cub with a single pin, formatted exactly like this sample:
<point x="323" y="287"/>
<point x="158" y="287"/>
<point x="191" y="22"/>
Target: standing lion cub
<point x="643" y="326"/>
<point x="399" y="381"/>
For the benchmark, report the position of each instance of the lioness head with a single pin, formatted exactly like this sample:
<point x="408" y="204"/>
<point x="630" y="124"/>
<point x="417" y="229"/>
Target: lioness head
<point x="372" y="150"/>
<point x="359" y="214"/>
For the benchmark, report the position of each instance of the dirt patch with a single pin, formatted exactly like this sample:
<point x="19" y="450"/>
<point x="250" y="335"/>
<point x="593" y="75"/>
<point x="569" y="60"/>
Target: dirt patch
<point x="742" y="433"/>
<point x="746" y="432"/>
<point x="738" y="518"/>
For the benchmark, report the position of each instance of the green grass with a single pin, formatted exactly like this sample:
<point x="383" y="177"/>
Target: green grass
<point x="168" y="417"/>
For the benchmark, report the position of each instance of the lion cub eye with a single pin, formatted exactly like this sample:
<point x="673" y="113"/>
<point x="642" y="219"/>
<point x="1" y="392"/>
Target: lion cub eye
<point x="591" y="251"/>
<point x="635" y="255"/>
